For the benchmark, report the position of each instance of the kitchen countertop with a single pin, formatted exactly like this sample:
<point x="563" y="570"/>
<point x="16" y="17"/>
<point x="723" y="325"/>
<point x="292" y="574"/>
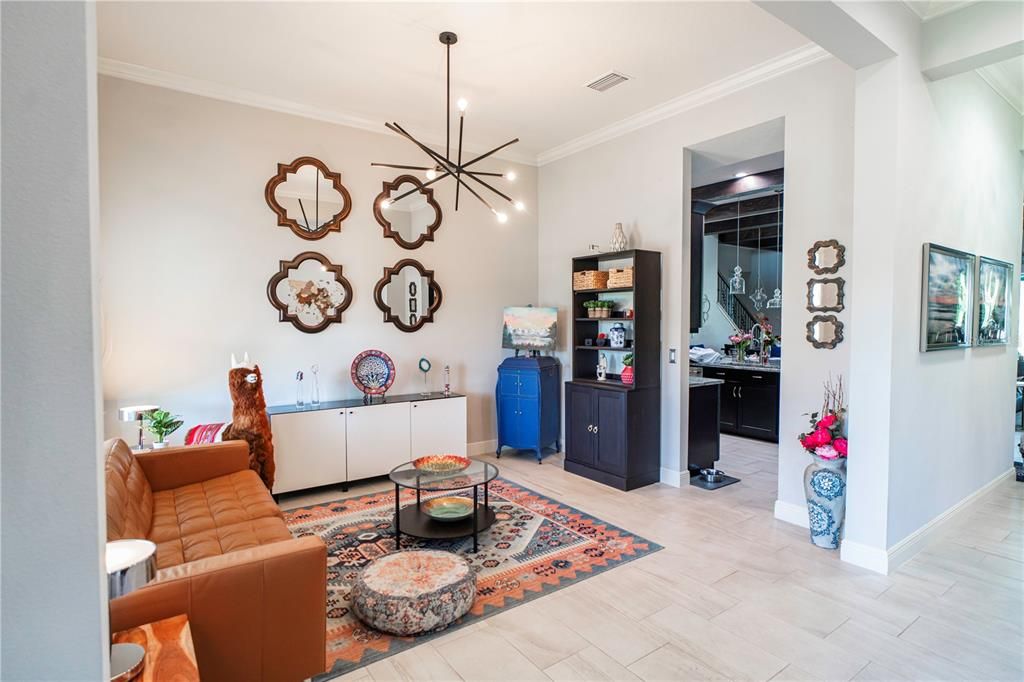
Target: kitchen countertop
<point x="697" y="382"/>
<point x="747" y="366"/>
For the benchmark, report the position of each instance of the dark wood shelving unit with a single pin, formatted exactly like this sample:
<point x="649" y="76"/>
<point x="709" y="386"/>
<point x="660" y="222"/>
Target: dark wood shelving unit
<point x="612" y="429"/>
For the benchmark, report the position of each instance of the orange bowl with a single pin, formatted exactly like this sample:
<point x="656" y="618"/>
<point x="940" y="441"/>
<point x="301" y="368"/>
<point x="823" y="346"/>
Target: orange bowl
<point x="441" y="464"/>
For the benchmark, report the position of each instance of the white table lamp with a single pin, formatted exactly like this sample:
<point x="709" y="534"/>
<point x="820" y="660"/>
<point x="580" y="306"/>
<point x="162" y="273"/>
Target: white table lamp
<point x="130" y="565"/>
<point x="136" y="413"/>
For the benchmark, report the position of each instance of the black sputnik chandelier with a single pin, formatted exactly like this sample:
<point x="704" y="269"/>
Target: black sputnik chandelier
<point x="443" y="166"/>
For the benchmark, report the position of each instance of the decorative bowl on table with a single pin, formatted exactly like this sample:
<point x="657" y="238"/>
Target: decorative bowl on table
<point x="441" y="464"/>
<point x="448" y="508"/>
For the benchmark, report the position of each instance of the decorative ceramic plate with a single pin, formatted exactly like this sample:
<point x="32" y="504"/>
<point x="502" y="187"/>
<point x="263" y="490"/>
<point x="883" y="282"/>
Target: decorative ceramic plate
<point x="448" y="508"/>
<point x="373" y="372"/>
<point x="440" y="464"/>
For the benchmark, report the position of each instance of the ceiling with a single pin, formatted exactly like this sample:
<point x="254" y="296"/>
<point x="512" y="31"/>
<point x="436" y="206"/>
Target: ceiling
<point x="1007" y="78"/>
<point x="751" y="150"/>
<point x="929" y="9"/>
<point x="522" y="66"/>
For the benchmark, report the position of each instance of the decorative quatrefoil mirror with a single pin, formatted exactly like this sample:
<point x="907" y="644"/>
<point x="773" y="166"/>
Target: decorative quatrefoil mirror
<point x="308" y="198"/>
<point x="826" y="295"/>
<point x="407" y="211"/>
<point x="826" y="257"/>
<point x="825" y="331"/>
<point x="310" y="292"/>
<point x="408" y="295"/>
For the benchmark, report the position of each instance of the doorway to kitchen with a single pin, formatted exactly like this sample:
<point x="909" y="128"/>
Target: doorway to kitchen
<point x="737" y="201"/>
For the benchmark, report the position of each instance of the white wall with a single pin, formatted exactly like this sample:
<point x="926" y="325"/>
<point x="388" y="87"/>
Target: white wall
<point x="54" y="585"/>
<point x="638" y="179"/>
<point x="935" y="162"/>
<point x="188" y="245"/>
<point x="715" y="331"/>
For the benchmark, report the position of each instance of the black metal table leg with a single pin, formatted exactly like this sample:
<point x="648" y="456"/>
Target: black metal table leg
<point x="486" y="489"/>
<point x="398" y="523"/>
<point x="476" y="511"/>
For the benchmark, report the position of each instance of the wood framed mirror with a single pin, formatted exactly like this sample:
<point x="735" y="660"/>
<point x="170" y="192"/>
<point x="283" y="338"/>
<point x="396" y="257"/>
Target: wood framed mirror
<point x="310" y="292"/>
<point x="826" y="295"/>
<point x="826" y="257"/>
<point x="410" y="220"/>
<point x="308" y="198"/>
<point x="825" y="331"/>
<point x="408" y="295"/>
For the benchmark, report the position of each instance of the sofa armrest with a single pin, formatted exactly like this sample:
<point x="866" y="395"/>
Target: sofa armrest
<point x="183" y="465"/>
<point x="255" y="614"/>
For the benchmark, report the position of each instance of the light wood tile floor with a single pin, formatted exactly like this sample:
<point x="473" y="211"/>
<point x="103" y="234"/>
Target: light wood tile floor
<point x="736" y="594"/>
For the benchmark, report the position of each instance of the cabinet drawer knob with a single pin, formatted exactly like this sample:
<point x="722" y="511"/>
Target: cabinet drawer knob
<point x="595" y="429"/>
<point x="756" y="376"/>
<point x="590" y="427"/>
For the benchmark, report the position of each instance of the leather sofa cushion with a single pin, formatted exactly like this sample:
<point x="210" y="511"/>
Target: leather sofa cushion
<point x="129" y="496"/>
<point x="221" y="515"/>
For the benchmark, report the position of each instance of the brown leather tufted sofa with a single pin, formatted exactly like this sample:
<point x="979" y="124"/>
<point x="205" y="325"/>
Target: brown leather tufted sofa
<point x="255" y="596"/>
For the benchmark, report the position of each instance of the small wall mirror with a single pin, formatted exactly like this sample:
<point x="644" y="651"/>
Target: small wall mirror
<point x="410" y="220"/>
<point x="308" y="198"/>
<point x="826" y="257"/>
<point x="309" y="291"/>
<point x="825" y="331"/>
<point x="408" y="295"/>
<point x="825" y="295"/>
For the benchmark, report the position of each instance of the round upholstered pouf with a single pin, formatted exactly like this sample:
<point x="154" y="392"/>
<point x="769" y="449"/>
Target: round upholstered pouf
<point x="408" y="593"/>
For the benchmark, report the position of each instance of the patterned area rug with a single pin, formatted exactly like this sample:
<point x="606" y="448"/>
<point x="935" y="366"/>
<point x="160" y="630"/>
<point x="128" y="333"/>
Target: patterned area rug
<point x="536" y="546"/>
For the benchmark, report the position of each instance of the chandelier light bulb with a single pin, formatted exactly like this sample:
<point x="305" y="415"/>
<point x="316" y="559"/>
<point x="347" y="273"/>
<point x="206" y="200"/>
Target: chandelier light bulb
<point x="520" y="206"/>
<point x="385" y="204"/>
<point x="502" y="217"/>
<point x="511" y="176"/>
<point x="431" y="174"/>
<point x="462" y="104"/>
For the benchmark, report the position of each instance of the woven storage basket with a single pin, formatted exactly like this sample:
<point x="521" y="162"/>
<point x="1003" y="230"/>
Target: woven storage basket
<point x="589" y="279"/>
<point x="622" y="277"/>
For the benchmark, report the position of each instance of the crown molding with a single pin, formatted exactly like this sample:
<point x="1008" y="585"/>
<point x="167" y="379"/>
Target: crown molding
<point x="997" y="81"/>
<point x="204" y="88"/>
<point x="784" y="63"/>
<point x="924" y="15"/>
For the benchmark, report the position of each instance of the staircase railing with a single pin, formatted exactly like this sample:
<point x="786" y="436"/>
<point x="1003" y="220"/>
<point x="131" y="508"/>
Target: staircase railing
<point x="734" y="307"/>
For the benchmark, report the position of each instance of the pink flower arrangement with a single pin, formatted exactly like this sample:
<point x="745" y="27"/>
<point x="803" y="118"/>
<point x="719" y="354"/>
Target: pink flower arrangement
<point x="741" y="341"/>
<point x="825" y="438"/>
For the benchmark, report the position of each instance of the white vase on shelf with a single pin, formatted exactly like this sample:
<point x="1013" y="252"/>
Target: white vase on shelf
<point x="619" y="242"/>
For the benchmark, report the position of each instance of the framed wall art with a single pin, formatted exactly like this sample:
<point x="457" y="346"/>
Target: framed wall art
<point x="947" y="297"/>
<point x="994" y="302"/>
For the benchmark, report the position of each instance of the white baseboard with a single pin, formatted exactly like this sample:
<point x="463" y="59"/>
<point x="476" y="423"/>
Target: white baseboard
<point x="674" y="478"/>
<point x="482" y="447"/>
<point x="920" y="538"/>
<point x="865" y="556"/>
<point x="792" y="513"/>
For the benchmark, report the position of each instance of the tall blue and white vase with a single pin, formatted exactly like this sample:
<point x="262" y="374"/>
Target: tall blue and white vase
<point x="825" y="487"/>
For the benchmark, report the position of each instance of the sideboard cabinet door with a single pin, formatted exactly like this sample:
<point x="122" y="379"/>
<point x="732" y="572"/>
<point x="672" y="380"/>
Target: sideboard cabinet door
<point x="579" y="424"/>
<point x="309" y="449"/>
<point x="438" y="427"/>
<point x="378" y="439"/>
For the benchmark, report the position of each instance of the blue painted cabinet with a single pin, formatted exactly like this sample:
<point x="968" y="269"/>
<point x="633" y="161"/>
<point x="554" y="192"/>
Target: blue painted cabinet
<point x="528" y="402"/>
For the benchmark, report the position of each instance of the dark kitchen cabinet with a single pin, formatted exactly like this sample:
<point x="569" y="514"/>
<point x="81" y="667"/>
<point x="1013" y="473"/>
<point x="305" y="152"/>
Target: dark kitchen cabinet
<point x="602" y="441"/>
<point x="749" y="402"/>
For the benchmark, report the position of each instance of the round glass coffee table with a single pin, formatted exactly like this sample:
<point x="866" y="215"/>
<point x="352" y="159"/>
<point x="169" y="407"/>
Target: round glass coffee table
<point x="414" y="520"/>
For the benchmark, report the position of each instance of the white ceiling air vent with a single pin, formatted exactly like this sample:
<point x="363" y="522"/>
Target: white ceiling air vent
<point x="607" y="81"/>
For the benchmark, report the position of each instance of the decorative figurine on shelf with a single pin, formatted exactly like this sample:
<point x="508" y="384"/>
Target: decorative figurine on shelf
<point x="602" y="367"/>
<point x="314" y="388"/>
<point x="627" y="370"/>
<point x="628" y="314"/>
<point x="299" y="401"/>
<point x="425" y="368"/>
<point x="619" y="242"/>
<point x="602" y="339"/>
<point x="447" y="381"/>
<point x="617" y="336"/>
<point x="249" y="421"/>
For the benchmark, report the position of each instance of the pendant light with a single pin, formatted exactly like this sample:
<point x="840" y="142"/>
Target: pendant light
<point x="737" y="285"/>
<point x="776" y="300"/>
<point x="759" y="297"/>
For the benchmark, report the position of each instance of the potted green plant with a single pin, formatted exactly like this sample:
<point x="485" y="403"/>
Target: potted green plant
<point x="161" y="424"/>
<point x="605" y="308"/>
<point x="627" y="370"/>
<point x="591" y="308"/>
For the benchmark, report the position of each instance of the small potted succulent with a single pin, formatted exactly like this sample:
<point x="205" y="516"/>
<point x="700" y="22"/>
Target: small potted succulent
<point x="161" y="424"/>
<point x="602" y="339"/>
<point x="627" y="370"/>
<point x="598" y="308"/>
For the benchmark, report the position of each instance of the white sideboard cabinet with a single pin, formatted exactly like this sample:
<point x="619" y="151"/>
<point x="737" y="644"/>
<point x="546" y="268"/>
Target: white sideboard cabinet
<point x="348" y="440"/>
